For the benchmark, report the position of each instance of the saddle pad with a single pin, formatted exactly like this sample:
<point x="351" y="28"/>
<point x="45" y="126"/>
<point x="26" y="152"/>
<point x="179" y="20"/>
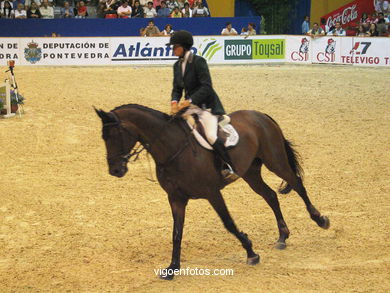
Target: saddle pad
<point x="231" y="140"/>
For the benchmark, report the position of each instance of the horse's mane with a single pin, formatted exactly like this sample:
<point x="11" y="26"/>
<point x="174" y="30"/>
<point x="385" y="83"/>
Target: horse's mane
<point x="144" y="108"/>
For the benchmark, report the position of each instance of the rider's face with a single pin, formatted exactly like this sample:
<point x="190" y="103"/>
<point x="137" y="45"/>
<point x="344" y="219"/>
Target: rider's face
<point x="178" y="50"/>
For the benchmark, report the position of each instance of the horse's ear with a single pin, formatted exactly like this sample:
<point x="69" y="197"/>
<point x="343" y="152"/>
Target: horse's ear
<point x="99" y="112"/>
<point x="107" y="117"/>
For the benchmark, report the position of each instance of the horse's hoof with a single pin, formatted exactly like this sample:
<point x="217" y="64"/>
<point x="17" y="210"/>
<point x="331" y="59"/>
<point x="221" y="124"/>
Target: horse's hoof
<point x="280" y="245"/>
<point x="253" y="260"/>
<point x="326" y="223"/>
<point x="167" y="277"/>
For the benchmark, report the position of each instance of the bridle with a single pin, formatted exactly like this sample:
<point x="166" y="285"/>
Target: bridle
<point x="137" y="150"/>
<point x="126" y="156"/>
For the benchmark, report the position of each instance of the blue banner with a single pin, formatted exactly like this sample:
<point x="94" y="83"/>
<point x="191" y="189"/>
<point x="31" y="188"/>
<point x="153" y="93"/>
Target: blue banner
<point x="98" y="27"/>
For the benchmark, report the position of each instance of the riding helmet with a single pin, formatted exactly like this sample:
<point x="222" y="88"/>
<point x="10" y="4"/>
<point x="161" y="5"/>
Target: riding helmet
<point x="183" y="38"/>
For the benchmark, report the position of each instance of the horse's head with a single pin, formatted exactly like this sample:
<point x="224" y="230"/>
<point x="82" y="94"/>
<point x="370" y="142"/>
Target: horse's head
<point x="119" y="142"/>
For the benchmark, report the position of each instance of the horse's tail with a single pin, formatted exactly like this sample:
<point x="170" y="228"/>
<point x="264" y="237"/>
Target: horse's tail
<point x="293" y="160"/>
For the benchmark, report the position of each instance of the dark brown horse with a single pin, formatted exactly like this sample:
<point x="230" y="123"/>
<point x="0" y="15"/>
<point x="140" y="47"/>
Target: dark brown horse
<point x="185" y="170"/>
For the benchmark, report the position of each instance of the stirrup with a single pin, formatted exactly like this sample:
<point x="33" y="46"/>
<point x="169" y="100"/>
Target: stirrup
<point x="228" y="174"/>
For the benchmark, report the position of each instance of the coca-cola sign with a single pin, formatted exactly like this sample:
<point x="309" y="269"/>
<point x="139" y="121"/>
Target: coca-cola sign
<point x="348" y="13"/>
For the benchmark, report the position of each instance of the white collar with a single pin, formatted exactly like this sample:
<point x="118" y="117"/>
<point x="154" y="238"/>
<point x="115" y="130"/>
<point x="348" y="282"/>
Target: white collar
<point x="186" y="56"/>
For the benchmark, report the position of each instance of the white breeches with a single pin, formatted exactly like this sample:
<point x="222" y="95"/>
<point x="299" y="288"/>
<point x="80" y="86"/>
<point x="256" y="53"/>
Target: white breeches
<point x="209" y="122"/>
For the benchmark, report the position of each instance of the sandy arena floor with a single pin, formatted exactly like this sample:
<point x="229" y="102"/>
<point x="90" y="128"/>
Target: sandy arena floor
<point x="67" y="226"/>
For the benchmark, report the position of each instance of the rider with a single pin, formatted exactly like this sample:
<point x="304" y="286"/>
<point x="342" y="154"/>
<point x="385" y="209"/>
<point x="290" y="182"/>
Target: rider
<point x="191" y="73"/>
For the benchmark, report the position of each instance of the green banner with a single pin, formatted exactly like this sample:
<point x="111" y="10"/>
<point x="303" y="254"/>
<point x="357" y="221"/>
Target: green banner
<point x="255" y="49"/>
<point x="238" y="49"/>
<point x="268" y="49"/>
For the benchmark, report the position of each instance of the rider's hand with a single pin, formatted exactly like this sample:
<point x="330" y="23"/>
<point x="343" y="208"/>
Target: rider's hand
<point x="184" y="104"/>
<point x="174" y="108"/>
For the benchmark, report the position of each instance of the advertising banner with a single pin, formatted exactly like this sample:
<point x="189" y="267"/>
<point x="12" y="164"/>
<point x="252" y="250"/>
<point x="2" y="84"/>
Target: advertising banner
<point x="9" y="50"/>
<point x="215" y="49"/>
<point x="349" y="13"/>
<point x="367" y="52"/>
<point x="140" y="51"/>
<point x="64" y="51"/>
<point x="326" y="50"/>
<point x="298" y="49"/>
<point x="257" y="49"/>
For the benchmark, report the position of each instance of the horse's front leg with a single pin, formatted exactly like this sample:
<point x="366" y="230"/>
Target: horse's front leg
<point x="218" y="203"/>
<point x="178" y="206"/>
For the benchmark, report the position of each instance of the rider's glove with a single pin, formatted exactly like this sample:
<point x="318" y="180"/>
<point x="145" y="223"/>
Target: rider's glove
<point x="174" y="107"/>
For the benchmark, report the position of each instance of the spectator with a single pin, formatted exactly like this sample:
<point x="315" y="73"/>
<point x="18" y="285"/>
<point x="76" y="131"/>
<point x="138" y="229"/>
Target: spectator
<point x="229" y="30"/>
<point x="81" y="10"/>
<point x="100" y="10"/>
<point x="199" y="10"/>
<point x="176" y="13"/>
<point x="149" y="11"/>
<point x="46" y="10"/>
<point x="251" y="29"/>
<point x="27" y="4"/>
<point x="186" y="11"/>
<point x="33" y="11"/>
<point x="157" y="4"/>
<point x="171" y="4"/>
<point x="382" y="29"/>
<point x="111" y="7"/>
<point x="373" y="31"/>
<point x="137" y="9"/>
<point x="151" y="30"/>
<point x="51" y="3"/>
<point x="181" y="4"/>
<point x="66" y="11"/>
<point x="11" y="2"/>
<point x="374" y="18"/>
<point x="381" y="18"/>
<point x="316" y="31"/>
<point x="7" y="11"/>
<point x="164" y="10"/>
<point x="305" y="25"/>
<point x="362" y="32"/>
<point x="124" y="11"/>
<point x="244" y="31"/>
<point x="365" y="21"/>
<point x="20" y="12"/>
<point x="167" y="30"/>
<point x="324" y="26"/>
<point x="337" y="31"/>
<point x="191" y="3"/>
<point x="143" y="3"/>
<point x="381" y="6"/>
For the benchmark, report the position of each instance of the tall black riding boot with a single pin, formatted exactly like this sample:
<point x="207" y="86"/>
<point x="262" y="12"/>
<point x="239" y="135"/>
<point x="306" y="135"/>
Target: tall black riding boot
<point x="229" y="172"/>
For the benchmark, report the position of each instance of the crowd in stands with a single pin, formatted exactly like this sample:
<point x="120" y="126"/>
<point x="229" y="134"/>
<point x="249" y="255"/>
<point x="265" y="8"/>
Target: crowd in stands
<point x="230" y="31"/>
<point x="369" y="25"/>
<point x="153" y="31"/>
<point x="374" y="25"/>
<point x="102" y="8"/>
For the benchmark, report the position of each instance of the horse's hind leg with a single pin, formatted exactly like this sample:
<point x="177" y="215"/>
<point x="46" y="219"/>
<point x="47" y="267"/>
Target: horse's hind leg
<point x="253" y="178"/>
<point x="285" y="172"/>
<point x="297" y="184"/>
<point x="218" y="203"/>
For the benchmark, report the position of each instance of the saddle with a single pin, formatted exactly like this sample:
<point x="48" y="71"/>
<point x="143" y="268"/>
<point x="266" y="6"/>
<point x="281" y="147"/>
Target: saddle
<point x="226" y="132"/>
